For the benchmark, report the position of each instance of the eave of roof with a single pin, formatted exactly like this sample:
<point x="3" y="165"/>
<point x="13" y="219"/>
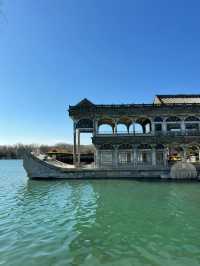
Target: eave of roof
<point x="178" y="96"/>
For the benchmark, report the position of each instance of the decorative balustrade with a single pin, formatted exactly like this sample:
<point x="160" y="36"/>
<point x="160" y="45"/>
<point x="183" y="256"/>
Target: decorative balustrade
<point x="122" y="133"/>
<point x="161" y="133"/>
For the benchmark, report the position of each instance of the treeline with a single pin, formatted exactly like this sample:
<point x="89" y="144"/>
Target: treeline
<point x="17" y="151"/>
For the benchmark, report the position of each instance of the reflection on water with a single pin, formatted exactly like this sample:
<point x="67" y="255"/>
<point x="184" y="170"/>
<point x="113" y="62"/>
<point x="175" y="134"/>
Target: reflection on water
<point x="96" y="222"/>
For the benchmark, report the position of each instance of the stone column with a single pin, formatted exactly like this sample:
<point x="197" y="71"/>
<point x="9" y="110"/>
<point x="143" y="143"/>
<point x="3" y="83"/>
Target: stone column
<point x="165" y="152"/>
<point x="95" y="127"/>
<point x="153" y="156"/>
<point x="134" y="155"/>
<point x="115" y="156"/>
<point x="152" y="127"/>
<point x="79" y="151"/>
<point x="144" y="129"/>
<point x="133" y="123"/>
<point x="115" y="127"/>
<point x="182" y="127"/>
<point x="164" y="127"/>
<point x="74" y="147"/>
<point x="97" y="157"/>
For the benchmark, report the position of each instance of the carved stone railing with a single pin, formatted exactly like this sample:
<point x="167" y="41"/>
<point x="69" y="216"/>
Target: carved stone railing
<point x="122" y="133"/>
<point x="162" y="133"/>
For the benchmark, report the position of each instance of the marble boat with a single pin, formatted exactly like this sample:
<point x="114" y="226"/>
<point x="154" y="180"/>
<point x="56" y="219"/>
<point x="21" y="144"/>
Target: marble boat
<point x="42" y="167"/>
<point x="157" y="140"/>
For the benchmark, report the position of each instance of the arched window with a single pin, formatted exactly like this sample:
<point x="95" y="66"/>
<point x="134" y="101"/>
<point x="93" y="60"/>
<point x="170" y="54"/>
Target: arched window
<point x="138" y="128"/>
<point x="192" y="153"/>
<point x="159" y="147"/>
<point x="192" y="118"/>
<point x="144" y="147"/>
<point x="105" y="128"/>
<point x="159" y="154"/>
<point x="175" y="126"/>
<point x="143" y="125"/>
<point x="122" y="128"/>
<point x="123" y="124"/>
<point x="124" y="153"/>
<point x="173" y="119"/>
<point x="106" y="147"/>
<point x="144" y="154"/>
<point x="125" y="147"/>
<point x="105" y="125"/>
<point x="158" y="119"/>
<point x="84" y="123"/>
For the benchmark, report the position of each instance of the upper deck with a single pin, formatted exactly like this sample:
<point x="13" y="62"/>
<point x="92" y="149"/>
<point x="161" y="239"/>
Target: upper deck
<point x="169" y="121"/>
<point x="165" y="117"/>
<point x="86" y="109"/>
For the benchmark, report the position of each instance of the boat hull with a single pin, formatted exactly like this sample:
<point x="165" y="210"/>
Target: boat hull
<point x="37" y="168"/>
<point x="41" y="169"/>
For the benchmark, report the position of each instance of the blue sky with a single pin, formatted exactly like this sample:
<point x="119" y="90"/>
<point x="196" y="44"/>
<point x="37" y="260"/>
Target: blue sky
<point x="54" y="53"/>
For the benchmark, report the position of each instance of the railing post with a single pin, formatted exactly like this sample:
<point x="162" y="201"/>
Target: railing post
<point x="133" y="123"/>
<point x="153" y="156"/>
<point x="115" y="127"/>
<point x="152" y="129"/>
<point x="134" y="155"/>
<point x="95" y="127"/>
<point x="165" y="152"/>
<point x="164" y="127"/>
<point x="182" y="127"/>
<point x="115" y="157"/>
<point x="97" y="158"/>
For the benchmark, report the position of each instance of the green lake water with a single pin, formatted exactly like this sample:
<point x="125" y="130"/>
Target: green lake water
<point x="105" y="222"/>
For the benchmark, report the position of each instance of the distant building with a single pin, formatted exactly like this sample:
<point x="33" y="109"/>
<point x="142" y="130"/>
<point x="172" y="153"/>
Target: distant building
<point x="140" y="135"/>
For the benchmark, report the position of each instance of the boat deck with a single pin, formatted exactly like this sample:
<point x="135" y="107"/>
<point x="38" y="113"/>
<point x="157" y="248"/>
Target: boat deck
<point x="41" y="167"/>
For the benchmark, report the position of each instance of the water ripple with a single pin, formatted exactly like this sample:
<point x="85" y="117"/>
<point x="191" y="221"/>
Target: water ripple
<point x="96" y="222"/>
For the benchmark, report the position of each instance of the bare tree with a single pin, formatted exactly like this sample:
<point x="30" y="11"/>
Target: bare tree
<point x="16" y="151"/>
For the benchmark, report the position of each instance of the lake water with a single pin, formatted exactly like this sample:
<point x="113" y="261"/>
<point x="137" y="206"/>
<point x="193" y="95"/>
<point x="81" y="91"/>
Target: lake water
<point x="97" y="222"/>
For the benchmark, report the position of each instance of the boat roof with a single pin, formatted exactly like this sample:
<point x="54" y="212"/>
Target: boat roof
<point x="177" y="99"/>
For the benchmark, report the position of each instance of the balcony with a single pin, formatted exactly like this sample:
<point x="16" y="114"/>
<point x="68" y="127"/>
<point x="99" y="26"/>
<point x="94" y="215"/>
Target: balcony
<point x="121" y="133"/>
<point x="150" y="134"/>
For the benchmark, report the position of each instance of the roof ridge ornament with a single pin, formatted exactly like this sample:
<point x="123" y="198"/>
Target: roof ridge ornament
<point x="85" y="102"/>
